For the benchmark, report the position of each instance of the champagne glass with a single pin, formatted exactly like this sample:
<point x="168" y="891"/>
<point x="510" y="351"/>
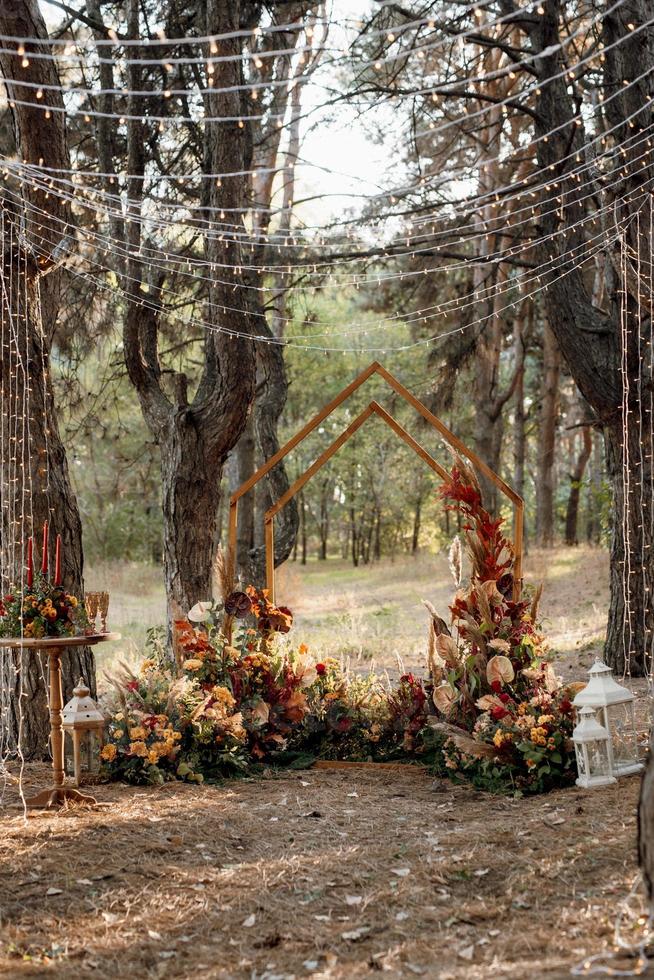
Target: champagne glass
<point x="103" y="605"/>
<point x="91" y="603"/>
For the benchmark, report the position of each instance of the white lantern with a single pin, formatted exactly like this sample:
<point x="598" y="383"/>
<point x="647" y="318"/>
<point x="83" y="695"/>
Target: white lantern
<point x="84" y="721"/>
<point x="591" y="741"/>
<point x="614" y="709"/>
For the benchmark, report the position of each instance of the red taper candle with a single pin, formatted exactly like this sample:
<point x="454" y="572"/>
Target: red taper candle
<point x="57" y="575"/>
<point x="30" y="562"/>
<point x="44" y="560"/>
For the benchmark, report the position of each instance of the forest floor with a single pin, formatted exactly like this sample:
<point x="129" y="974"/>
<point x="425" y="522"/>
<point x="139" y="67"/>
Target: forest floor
<point x="322" y="874"/>
<point x="330" y="874"/>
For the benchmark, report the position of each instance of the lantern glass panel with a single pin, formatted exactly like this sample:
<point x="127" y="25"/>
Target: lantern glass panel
<point x="622" y="729"/>
<point x="581" y="761"/>
<point x="598" y="758"/>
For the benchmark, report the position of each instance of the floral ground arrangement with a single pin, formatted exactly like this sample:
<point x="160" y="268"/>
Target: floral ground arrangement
<point x="237" y="694"/>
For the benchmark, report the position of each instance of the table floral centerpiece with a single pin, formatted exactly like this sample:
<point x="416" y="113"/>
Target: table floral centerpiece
<point x="41" y="607"/>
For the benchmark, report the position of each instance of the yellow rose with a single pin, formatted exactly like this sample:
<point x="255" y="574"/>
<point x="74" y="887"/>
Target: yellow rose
<point x="192" y="664"/>
<point x="138" y="748"/>
<point x="223" y="695"/>
<point x="137" y="733"/>
<point x="108" y="752"/>
<point x="153" y="757"/>
<point x="119" y="733"/>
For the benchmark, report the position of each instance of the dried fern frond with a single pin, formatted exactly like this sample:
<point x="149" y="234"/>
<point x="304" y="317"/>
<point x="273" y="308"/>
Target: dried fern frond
<point x="466" y="470"/>
<point x="439" y="624"/>
<point x="466" y="744"/>
<point x="483" y="605"/>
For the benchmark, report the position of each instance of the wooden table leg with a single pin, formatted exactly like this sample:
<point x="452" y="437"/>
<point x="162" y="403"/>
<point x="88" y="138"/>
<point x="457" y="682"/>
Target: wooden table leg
<point x="59" y="793"/>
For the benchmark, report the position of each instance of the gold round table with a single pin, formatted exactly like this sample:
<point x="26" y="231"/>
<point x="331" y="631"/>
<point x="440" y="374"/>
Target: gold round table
<point x="53" y="646"/>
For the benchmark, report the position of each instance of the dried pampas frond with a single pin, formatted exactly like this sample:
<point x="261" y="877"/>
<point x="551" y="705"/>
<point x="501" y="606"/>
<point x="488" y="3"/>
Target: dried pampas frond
<point x="535" y="602"/>
<point x="223" y="574"/>
<point x="455" y="558"/>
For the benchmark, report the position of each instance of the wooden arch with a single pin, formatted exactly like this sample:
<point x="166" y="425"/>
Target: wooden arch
<point x="373" y="408"/>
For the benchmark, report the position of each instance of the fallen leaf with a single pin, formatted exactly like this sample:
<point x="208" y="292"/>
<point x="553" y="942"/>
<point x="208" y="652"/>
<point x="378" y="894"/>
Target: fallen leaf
<point x="353" y="899"/>
<point x="355" y="934"/>
<point x="54" y="891"/>
<point x="401" y="872"/>
<point x="310" y="964"/>
<point x="249" y="922"/>
<point x="110" y="918"/>
<point x="467" y="952"/>
<point x="401" y="916"/>
<point x="154" y="935"/>
<point x="480" y="872"/>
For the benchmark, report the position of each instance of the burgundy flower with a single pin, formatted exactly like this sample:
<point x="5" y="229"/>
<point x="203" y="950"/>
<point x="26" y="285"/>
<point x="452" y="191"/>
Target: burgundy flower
<point x="497" y="713"/>
<point x="238" y="604"/>
<point x="321" y="670"/>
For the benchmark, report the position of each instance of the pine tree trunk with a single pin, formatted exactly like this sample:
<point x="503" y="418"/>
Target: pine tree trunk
<point x="547" y="441"/>
<point x="593" y="524"/>
<point x="415" y="534"/>
<point x="303" y="526"/>
<point x="245" y="466"/>
<point x="33" y="305"/>
<point x="631" y="623"/>
<point x="576" y="479"/>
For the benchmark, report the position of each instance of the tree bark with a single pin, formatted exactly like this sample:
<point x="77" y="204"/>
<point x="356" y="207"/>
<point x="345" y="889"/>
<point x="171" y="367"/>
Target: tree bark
<point x="415" y="532"/>
<point x="589" y="338"/>
<point x="576" y="478"/>
<point x="245" y="467"/>
<point x="42" y="490"/>
<point x="196" y="437"/>
<point x="547" y="440"/>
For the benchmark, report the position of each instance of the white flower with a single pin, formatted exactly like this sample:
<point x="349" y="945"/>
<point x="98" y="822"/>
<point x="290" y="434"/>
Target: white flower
<point x="499" y="644"/>
<point x="309" y="675"/>
<point x="201" y="612"/>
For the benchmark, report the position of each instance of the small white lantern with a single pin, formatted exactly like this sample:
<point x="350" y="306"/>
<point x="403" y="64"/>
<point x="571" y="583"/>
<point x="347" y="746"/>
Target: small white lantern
<point x="614" y="709"/>
<point x="82" y="719"/>
<point x="591" y="741"/>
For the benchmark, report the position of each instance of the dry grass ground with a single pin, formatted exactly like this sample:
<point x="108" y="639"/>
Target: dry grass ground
<point x="316" y="874"/>
<point x="375" y="614"/>
<point x="327" y="874"/>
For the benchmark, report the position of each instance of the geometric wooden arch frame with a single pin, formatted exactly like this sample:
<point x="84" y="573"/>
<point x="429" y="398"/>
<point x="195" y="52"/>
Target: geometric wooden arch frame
<point x="373" y="408"/>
